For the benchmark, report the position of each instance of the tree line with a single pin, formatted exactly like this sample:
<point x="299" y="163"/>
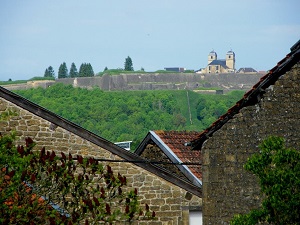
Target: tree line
<point x="85" y="70"/>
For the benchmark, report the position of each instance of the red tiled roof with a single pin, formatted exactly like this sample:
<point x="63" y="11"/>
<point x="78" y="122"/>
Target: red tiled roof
<point x="176" y="141"/>
<point x="253" y="96"/>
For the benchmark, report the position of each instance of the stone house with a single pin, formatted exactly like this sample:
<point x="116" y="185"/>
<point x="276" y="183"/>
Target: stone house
<point x="271" y="107"/>
<point x="166" y="193"/>
<point x="170" y="149"/>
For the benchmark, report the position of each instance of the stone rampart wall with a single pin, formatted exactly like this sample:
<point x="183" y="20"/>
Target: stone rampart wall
<point x="166" y="199"/>
<point x="155" y="81"/>
<point x="227" y="188"/>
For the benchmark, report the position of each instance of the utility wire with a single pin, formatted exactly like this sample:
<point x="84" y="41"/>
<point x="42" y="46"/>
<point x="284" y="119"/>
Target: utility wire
<point x="146" y="162"/>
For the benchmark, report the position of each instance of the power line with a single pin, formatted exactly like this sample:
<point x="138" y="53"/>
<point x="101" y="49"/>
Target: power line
<point x="146" y="162"/>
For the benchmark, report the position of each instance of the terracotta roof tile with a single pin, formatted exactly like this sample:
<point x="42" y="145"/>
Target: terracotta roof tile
<point x="177" y="142"/>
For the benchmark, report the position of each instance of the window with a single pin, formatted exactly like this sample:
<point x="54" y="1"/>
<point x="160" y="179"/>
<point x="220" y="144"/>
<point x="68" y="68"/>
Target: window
<point x="211" y="57"/>
<point x="124" y="144"/>
<point x="229" y="56"/>
<point x="217" y="67"/>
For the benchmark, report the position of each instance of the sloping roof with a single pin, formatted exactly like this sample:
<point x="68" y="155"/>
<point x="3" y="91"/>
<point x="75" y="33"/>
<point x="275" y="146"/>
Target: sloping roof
<point x="97" y="140"/>
<point x="246" y="70"/>
<point x="230" y="52"/>
<point x="213" y="53"/>
<point x="173" y="144"/>
<point x="253" y="96"/>
<point x="220" y="62"/>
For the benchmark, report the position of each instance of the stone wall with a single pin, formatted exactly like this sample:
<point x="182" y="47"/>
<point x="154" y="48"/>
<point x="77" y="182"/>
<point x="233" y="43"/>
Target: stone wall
<point x="155" y="81"/>
<point x="166" y="199"/>
<point x="29" y="84"/>
<point x="153" y="152"/>
<point x="170" y="81"/>
<point x="227" y="188"/>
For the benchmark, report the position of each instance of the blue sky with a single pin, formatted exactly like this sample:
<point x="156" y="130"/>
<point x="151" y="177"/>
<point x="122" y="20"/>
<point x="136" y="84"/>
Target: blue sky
<point x="35" y="34"/>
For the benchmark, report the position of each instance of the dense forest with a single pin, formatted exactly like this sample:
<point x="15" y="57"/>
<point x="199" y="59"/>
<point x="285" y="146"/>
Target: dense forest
<point x="129" y="115"/>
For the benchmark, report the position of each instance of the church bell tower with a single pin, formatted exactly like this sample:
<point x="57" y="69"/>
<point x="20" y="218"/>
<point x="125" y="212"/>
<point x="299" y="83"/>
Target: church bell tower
<point x="230" y="61"/>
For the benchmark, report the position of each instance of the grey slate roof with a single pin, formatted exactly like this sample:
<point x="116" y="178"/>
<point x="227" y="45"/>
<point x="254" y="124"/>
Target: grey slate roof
<point x="230" y="53"/>
<point x="246" y="70"/>
<point x="219" y="62"/>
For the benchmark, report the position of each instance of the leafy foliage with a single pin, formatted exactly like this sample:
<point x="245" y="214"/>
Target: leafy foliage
<point x="129" y="115"/>
<point x="41" y="78"/>
<point x="40" y="187"/>
<point x="73" y="71"/>
<point x="49" y="72"/>
<point x="128" y="66"/>
<point x="86" y="70"/>
<point x="210" y="107"/>
<point x="278" y="170"/>
<point x="62" y="71"/>
<point x="117" y="71"/>
<point x="13" y="82"/>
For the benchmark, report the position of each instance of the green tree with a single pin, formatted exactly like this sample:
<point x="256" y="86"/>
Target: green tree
<point x="62" y="71"/>
<point x="73" y="71"/>
<point x="90" y="70"/>
<point x="41" y="187"/>
<point x="278" y="170"/>
<point x="86" y="70"/>
<point x="49" y="72"/>
<point x="128" y="66"/>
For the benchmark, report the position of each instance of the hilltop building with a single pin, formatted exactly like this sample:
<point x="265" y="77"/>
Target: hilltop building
<point x="246" y="70"/>
<point x="175" y="69"/>
<point x="215" y="65"/>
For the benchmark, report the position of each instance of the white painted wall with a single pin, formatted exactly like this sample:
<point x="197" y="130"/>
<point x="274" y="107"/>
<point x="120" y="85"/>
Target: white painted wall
<point x="195" y="217"/>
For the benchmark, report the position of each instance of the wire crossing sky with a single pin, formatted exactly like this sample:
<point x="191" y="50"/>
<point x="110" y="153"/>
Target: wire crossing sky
<point x="155" y="34"/>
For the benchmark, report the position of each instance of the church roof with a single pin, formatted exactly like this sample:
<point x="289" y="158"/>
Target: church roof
<point x="212" y="53"/>
<point x="220" y="62"/>
<point x="230" y="53"/>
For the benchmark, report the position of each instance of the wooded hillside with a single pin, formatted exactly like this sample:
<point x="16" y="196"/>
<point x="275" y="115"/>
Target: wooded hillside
<point x="129" y="115"/>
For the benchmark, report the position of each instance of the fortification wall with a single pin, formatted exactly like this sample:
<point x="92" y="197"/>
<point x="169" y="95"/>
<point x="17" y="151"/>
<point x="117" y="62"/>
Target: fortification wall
<point x="227" y="188"/>
<point x="155" y="81"/>
<point x="172" y="81"/>
<point x="29" y="84"/>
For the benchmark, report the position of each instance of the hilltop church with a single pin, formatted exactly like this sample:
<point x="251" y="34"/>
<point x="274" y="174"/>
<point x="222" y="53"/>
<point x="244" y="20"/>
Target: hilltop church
<point x="216" y="65"/>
